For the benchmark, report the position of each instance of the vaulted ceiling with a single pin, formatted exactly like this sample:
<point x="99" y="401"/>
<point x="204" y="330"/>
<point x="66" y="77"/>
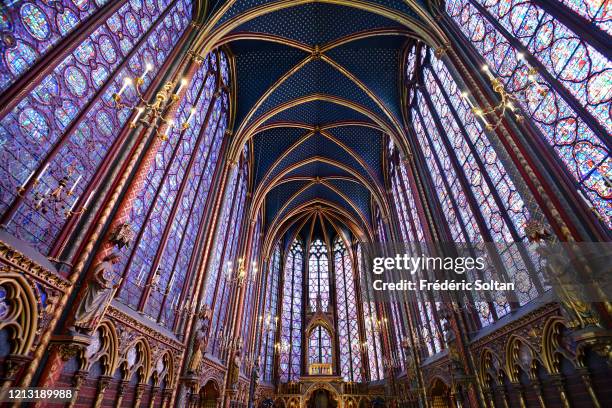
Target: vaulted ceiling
<point x="317" y="95"/>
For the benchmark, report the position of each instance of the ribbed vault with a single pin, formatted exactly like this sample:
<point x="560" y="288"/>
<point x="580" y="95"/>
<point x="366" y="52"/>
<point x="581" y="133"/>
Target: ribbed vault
<point x="317" y="97"/>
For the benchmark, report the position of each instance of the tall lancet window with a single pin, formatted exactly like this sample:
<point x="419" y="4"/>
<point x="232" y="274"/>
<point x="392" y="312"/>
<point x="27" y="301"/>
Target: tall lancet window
<point x="251" y="283"/>
<point x="405" y="201"/>
<point x="269" y="317"/>
<point x="290" y="345"/>
<point x="31" y="29"/>
<point x="568" y="98"/>
<point x="476" y="193"/>
<point x="318" y="275"/>
<point x="62" y="124"/>
<point x="372" y="347"/>
<point x="429" y="332"/>
<point x="346" y="306"/>
<point x="226" y="262"/>
<point x="319" y="351"/>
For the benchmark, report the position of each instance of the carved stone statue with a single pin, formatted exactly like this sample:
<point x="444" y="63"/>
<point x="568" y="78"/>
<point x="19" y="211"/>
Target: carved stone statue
<point x="122" y="235"/>
<point x="255" y="373"/>
<point x="234" y="374"/>
<point x="98" y="294"/>
<point x="200" y="341"/>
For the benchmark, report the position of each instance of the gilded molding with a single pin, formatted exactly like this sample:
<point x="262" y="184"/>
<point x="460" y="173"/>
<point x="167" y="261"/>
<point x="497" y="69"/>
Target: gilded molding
<point x="14" y="258"/>
<point x="523" y="322"/>
<point x="129" y="321"/>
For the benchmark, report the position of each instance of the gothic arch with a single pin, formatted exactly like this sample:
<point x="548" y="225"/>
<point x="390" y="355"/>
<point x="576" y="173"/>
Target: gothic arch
<point x="550" y="344"/>
<point x="520" y="355"/>
<point x="358" y="226"/>
<point x="21" y="319"/>
<point x="140" y="363"/>
<point x="248" y="129"/>
<point x="106" y="352"/>
<point x="165" y="371"/>
<point x="212" y="33"/>
<point x="491" y="368"/>
<point x="307" y="394"/>
<point x="369" y="182"/>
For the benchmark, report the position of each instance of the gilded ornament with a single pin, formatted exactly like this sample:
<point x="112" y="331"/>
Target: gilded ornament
<point x="122" y="235"/>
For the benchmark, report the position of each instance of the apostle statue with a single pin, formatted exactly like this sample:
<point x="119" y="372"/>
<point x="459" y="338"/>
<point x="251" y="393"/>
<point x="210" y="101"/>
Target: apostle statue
<point x="200" y="340"/>
<point x="234" y="374"/>
<point x="99" y="292"/>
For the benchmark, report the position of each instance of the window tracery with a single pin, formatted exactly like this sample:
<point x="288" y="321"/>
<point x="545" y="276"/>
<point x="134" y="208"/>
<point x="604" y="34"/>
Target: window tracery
<point x="167" y="212"/>
<point x="69" y="112"/>
<point x="319" y="347"/>
<point x="348" y="322"/>
<point x="318" y="275"/>
<point x="226" y="259"/>
<point x="269" y="317"/>
<point x="290" y="345"/>
<point x="570" y="101"/>
<point x="474" y="188"/>
<point x="372" y="346"/>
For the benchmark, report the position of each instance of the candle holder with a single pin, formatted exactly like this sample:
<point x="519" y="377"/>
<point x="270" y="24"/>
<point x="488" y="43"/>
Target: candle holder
<point x="56" y="199"/>
<point x="282" y="346"/>
<point x="508" y="101"/>
<point x="154" y="284"/>
<point x="152" y="112"/>
<point x="240" y="275"/>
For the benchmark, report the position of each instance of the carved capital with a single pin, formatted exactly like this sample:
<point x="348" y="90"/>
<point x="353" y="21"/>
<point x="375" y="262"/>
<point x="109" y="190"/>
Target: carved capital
<point x="441" y="51"/>
<point x="536" y="231"/>
<point x="11" y="365"/>
<point x="103" y="383"/>
<point x="78" y="379"/>
<point x="68" y="350"/>
<point x="197" y="58"/>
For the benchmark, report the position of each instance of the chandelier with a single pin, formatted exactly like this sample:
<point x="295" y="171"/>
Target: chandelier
<point x="493" y="116"/>
<point x="240" y="275"/>
<point x="154" y="111"/>
<point x="57" y="199"/>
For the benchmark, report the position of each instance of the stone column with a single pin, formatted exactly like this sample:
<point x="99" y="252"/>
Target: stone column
<point x="103" y="383"/>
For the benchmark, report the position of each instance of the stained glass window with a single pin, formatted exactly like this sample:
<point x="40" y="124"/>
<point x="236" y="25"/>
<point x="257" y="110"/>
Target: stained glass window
<point x="228" y="262"/>
<point x="31" y="28"/>
<point x="269" y="318"/>
<point x="59" y="111"/>
<point x="372" y="324"/>
<point x="595" y="11"/>
<point x="319" y="346"/>
<point x="475" y="189"/>
<point x="291" y="319"/>
<point x="405" y="201"/>
<point x="400" y="333"/>
<point x="167" y="211"/>
<point x="251" y="282"/>
<point x="318" y="275"/>
<point x="346" y="306"/>
<point x="568" y="98"/>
